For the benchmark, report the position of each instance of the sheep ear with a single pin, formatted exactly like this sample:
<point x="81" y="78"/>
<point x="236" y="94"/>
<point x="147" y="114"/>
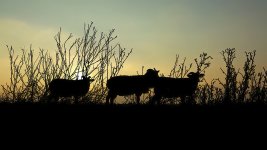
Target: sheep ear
<point x="156" y="70"/>
<point x="190" y="74"/>
<point x="90" y="79"/>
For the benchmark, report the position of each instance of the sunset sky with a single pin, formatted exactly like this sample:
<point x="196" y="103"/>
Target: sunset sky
<point x="157" y="30"/>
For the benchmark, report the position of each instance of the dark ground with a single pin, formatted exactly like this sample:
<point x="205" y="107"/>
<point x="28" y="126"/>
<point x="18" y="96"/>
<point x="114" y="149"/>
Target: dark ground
<point x="101" y="122"/>
<point x="127" y="111"/>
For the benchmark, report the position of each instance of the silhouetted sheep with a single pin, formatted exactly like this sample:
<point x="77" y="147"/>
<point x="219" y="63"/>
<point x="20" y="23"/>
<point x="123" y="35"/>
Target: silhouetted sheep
<point x="127" y="85"/>
<point x="176" y="87"/>
<point x="67" y="88"/>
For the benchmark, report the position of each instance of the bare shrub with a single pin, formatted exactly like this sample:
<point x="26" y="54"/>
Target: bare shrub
<point x="93" y="54"/>
<point x="239" y="86"/>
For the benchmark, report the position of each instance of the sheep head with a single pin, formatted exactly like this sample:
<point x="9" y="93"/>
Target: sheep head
<point x="88" y="79"/>
<point x="195" y="75"/>
<point x="152" y="73"/>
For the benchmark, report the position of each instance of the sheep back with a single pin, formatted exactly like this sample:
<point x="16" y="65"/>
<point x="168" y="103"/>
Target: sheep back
<point x="174" y="87"/>
<point x="67" y="88"/>
<point x="126" y="85"/>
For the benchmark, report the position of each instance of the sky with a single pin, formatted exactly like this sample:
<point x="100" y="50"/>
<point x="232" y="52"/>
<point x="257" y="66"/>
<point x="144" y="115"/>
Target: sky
<point x="157" y="30"/>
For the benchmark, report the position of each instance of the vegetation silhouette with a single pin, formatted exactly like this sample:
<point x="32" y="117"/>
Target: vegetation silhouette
<point x="34" y="78"/>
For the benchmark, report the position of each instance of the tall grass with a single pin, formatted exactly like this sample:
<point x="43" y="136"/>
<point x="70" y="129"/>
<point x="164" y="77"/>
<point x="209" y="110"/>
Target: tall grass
<point x="238" y="86"/>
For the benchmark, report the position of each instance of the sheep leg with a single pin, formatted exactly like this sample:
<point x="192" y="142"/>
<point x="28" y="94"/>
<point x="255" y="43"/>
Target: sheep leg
<point x="107" y="99"/>
<point x="56" y="99"/>
<point x="155" y="99"/>
<point x="76" y="100"/>
<point x="138" y="98"/>
<point x="110" y="98"/>
<point x="152" y="100"/>
<point x="182" y="99"/>
<point x="53" y="99"/>
<point x="49" y="99"/>
<point x="158" y="99"/>
<point x="191" y="100"/>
